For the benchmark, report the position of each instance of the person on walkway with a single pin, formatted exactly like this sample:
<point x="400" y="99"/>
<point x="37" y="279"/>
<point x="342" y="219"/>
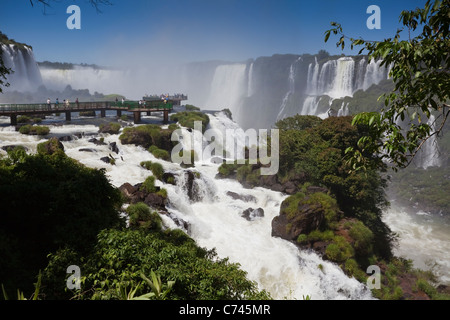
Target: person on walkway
<point x="49" y="104"/>
<point x="57" y="103"/>
<point x="77" y="102"/>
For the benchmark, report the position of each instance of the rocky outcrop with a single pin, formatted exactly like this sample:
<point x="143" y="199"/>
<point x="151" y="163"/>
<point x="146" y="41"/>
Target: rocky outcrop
<point x="300" y="214"/>
<point x="251" y="214"/>
<point x="97" y="142"/>
<point x="243" y="197"/>
<point x="50" y="147"/>
<point x="135" y="194"/>
<point x="113" y="147"/>
<point x="308" y="217"/>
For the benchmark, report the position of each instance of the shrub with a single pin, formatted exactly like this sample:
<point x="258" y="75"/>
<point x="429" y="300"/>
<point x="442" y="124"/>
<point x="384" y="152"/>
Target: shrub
<point x="111" y="128"/>
<point x="156" y="168"/>
<point x="159" y="153"/>
<point x="340" y="250"/>
<point x="149" y="185"/>
<point x="141" y="216"/>
<point x="363" y="238"/>
<point x="190" y="107"/>
<point x="188" y="118"/>
<point x="23" y="119"/>
<point x="34" y="130"/>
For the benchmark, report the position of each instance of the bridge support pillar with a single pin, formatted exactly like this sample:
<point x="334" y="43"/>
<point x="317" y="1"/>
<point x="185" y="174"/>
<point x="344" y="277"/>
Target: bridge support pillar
<point x="149" y="113"/>
<point x="103" y="113"/>
<point x="119" y="113"/>
<point x="13" y="119"/>
<point x="68" y="116"/>
<point x="166" y="116"/>
<point x="137" y="117"/>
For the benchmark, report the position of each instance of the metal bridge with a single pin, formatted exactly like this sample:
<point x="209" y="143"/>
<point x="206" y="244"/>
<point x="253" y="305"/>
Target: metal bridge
<point x="136" y="107"/>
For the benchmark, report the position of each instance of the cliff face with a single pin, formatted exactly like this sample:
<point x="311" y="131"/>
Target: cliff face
<point x="20" y="58"/>
<point x="260" y="92"/>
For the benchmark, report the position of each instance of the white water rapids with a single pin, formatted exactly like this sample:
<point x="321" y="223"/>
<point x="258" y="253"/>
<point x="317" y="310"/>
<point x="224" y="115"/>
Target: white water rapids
<point x="214" y="222"/>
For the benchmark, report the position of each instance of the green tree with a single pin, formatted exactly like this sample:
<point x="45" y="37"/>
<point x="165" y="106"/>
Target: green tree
<point x="49" y="202"/>
<point x="172" y="260"/>
<point x="419" y="67"/>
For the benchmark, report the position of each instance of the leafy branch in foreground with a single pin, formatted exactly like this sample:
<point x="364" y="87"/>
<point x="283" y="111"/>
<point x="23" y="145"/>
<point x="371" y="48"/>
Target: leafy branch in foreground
<point x="418" y="107"/>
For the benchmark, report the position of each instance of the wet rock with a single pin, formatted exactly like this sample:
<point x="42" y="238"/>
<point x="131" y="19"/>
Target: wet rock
<point x="156" y="201"/>
<point x="169" y="177"/>
<point x="243" y="197"/>
<point x="106" y="159"/>
<point x="87" y="150"/>
<point x="113" y="147"/>
<point x="306" y="218"/>
<point x="50" y="146"/>
<point x="251" y="214"/>
<point x="97" y="142"/>
<point x="65" y="138"/>
<point x="128" y="190"/>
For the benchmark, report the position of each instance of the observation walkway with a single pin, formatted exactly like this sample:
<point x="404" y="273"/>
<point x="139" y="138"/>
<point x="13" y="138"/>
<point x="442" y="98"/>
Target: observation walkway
<point x="136" y="107"/>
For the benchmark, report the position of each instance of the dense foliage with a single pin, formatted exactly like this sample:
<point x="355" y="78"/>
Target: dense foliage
<point x="316" y="150"/>
<point x="419" y="69"/>
<point x="123" y="260"/>
<point x="49" y="202"/>
<point x="188" y="118"/>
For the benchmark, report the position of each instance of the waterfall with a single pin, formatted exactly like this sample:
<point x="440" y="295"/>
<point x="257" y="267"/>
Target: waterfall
<point x="310" y="105"/>
<point x="228" y="88"/>
<point x="374" y="74"/>
<point x="26" y="76"/>
<point x="342" y="82"/>
<point x="291" y="90"/>
<point x="343" y="111"/>
<point x="250" y="89"/>
<point x="313" y="74"/>
<point x="429" y="154"/>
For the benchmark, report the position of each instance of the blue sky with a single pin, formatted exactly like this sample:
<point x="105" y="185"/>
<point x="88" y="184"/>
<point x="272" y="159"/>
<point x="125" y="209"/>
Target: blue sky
<point x="130" y="31"/>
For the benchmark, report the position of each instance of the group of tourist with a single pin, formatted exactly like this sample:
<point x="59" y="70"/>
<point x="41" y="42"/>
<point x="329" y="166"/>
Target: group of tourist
<point x="65" y="103"/>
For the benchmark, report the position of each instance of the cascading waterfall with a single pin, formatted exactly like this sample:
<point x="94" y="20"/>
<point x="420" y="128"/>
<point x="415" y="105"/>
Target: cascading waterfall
<point x="338" y="79"/>
<point x="250" y="89"/>
<point x="26" y="76"/>
<point x="342" y="84"/>
<point x="228" y="88"/>
<point x="429" y="154"/>
<point x="374" y="74"/>
<point x="214" y="218"/>
<point x="310" y="105"/>
<point x="343" y="111"/>
<point x="291" y="89"/>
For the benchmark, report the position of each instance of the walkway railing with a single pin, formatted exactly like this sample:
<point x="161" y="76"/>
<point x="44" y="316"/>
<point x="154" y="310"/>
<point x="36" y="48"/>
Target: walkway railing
<point x="73" y="106"/>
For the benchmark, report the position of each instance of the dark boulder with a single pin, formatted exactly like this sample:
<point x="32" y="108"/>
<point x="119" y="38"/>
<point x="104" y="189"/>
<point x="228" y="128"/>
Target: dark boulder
<point x="87" y="150"/>
<point x="50" y="146"/>
<point x="113" y="147"/>
<point x="96" y="142"/>
<point x="251" y="214"/>
<point x="169" y="177"/>
<point x="305" y="212"/>
<point x="243" y="197"/>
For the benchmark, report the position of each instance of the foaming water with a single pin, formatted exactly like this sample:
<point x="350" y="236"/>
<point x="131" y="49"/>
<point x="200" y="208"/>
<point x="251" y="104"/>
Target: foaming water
<point x="214" y="218"/>
<point x="423" y="238"/>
